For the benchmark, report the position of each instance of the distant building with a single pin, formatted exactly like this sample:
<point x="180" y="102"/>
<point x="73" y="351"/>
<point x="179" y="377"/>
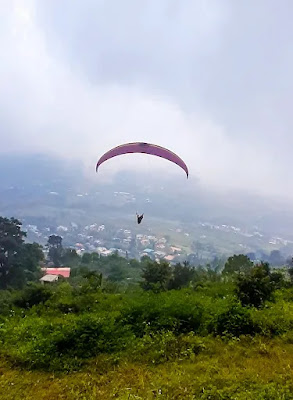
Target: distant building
<point x="145" y="242"/>
<point x="106" y="253"/>
<point x="160" y="254"/>
<point x="62" y="228"/>
<point x="153" y="238"/>
<point x="175" y="249"/>
<point x="62" y="271"/>
<point x="99" y="249"/>
<point x="162" y="240"/>
<point x="169" y="258"/>
<point x="49" y="278"/>
<point x="148" y="251"/>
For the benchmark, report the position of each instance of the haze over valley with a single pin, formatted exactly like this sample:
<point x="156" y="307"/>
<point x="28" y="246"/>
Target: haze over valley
<point x="52" y="196"/>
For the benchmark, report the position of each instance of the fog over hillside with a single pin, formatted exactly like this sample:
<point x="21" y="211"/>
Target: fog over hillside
<point x="46" y="191"/>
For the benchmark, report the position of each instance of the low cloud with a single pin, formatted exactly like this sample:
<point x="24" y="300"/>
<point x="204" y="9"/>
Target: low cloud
<point x="52" y="101"/>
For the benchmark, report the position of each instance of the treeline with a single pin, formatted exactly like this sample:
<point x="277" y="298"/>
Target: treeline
<point x="21" y="262"/>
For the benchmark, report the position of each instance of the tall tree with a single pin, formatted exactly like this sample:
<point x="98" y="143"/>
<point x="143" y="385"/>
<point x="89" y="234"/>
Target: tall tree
<point x="70" y="258"/>
<point x="237" y="264"/>
<point x="290" y="268"/>
<point x="156" y="276"/>
<point x="276" y="258"/>
<point x="182" y="275"/>
<point x="11" y="241"/>
<point x="55" y="249"/>
<point x="55" y="241"/>
<point x="27" y="264"/>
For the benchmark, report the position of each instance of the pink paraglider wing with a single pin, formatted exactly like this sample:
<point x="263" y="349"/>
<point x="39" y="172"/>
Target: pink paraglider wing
<point x="140" y="147"/>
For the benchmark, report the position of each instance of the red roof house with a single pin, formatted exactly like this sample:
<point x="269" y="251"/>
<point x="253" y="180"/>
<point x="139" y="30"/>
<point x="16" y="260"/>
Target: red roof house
<point x="63" y="271"/>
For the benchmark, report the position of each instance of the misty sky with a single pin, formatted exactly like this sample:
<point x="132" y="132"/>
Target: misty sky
<point x="210" y="79"/>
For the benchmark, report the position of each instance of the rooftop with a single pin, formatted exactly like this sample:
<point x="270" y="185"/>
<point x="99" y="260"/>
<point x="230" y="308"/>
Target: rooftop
<point x="169" y="258"/>
<point x="148" y="250"/>
<point x="49" y="278"/>
<point x="65" y="271"/>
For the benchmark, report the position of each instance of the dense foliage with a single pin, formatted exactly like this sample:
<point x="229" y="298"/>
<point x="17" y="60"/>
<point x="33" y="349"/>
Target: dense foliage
<point x="114" y="312"/>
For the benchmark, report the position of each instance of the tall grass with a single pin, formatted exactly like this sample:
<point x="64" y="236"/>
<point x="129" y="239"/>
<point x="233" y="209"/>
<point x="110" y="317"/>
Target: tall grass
<point x="176" y="344"/>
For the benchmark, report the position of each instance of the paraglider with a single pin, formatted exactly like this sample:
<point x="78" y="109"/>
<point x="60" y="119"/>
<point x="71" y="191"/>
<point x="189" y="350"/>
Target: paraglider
<point x="147" y="148"/>
<point x="139" y="218"/>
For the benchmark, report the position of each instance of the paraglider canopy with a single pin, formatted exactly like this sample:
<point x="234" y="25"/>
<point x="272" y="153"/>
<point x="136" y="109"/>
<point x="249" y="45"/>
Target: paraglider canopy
<point x="147" y="148"/>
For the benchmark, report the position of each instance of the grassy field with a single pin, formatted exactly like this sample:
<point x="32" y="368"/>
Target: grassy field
<point x="133" y="345"/>
<point x="245" y="369"/>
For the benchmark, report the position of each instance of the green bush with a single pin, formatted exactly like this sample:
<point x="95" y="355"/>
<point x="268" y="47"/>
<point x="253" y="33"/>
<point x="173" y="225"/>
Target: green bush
<point x="235" y="321"/>
<point x="274" y="319"/>
<point x="32" y="295"/>
<point x="61" y="343"/>
<point x="174" y="311"/>
<point x="257" y="285"/>
<point x="6" y="302"/>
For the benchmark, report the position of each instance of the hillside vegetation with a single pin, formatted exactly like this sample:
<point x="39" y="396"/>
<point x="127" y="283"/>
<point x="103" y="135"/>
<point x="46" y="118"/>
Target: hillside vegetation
<point x="170" y="332"/>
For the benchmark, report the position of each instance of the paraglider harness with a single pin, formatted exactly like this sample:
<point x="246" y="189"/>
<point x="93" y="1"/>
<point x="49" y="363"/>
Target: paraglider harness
<point x="139" y="218"/>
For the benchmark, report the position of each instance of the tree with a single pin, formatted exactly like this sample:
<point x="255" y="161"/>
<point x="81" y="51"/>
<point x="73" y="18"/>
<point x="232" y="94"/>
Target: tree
<point x="96" y="258"/>
<point x="55" y="241"/>
<point x="11" y="240"/>
<point x="134" y="264"/>
<point x="278" y="279"/>
<point x="70" y="257"/>
<point x="117" y="273"/>
<point x="290" y="268"/>
<point x="182" y="275"/>
<point x="217" y="264"/>
<point x="276" y="258"/>
<point x="30" y="256"/>
<point x="155" y="275"/>
<point x="204" y="275"/>
<point x="93" y="281"/>
<point x="256" y="286"/>
<point x="118" y="270"/>
<point x="32" y="295"/>
<point x="235" y="321"/>
<point x="251" y="255"/>
<point x="55" y="249"/>
<point x="237" y="264"/>
<point x="86" y="258"/>
<point x="213" y="274"/>
<point x="27" y="263"/>
<point x="194" y="259"/>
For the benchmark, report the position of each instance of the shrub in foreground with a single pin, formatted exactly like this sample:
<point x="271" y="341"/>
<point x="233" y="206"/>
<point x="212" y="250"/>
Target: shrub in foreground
<point x="236" y="321"/>
<point x="62" y="343"/>
<point x="176" y="312"/>
<point x="33" y="294"/>
<point x="256" y="286"/>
